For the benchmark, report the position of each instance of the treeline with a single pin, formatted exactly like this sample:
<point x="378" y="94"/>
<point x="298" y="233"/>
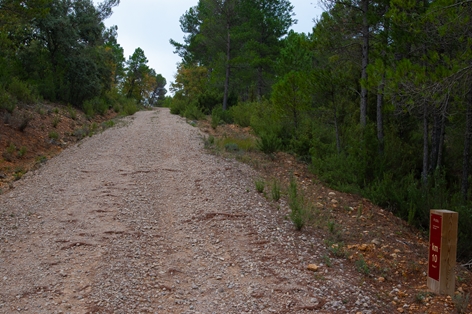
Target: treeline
<point x="60" y="50"/>
<point x="378" y="98"/>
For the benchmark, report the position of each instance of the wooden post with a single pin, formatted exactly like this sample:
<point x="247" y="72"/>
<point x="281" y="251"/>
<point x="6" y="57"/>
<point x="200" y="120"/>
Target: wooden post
<point x="442" y="251"/>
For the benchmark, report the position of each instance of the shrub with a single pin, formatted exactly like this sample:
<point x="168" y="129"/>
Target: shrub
<point x="72" y="112"/>
<point x="244" y="144"/>
<point x="269" y="143"/>
<point x="130" y="107"/>
<point x="9" y="152"/>
<point x="362" y="266"/>
<point x="7" y="101"/>
<point x="209" y="100"/>
<point x="192" y="112"/>
<point x="11" y="148"/>
<point x="232" y="147"/>
<point x="53" y="135"/>
<point x="177" y="106"/>
<point x="88" y="108"/>
<point x="95" y="105"/>
<point x="22" y="151"/>
<point x="260" y="184"/>
<point x="24" y="122"/>
<point x="241" y="114"/>
<point x="215" y="119"/>
<point x="108" y="124"/>
<point x="55" y="121"/>
<point x="299" y="214"/>
<point x="22" y="91"/>
<point x="275" y="191"/>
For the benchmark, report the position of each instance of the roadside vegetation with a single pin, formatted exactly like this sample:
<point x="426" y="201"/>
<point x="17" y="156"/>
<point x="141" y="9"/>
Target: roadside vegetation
<point x="356" y="100"/>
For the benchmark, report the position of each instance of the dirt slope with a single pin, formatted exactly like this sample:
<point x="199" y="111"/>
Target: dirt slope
<point x="140" y="219"/>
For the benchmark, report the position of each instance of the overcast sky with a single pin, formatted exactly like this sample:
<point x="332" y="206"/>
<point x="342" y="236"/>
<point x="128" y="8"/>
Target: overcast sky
<point x="149" y="24"/>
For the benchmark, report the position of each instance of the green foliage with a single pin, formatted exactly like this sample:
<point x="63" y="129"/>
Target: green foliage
<point x="232" y="147"/>
<point x="275" y="191"/>
<point x="215" y="119"/>
<point x="269" y="143"/>
<point x="222" y="116"/>
<point x="7" y="101"/>
<point x="88" y="108"/>
<point x="55" y="121"/>
<point x="192" y="112"/>
<point x="299" y="213"/>
<point x="97" y="105"/>
<point x="11" y="148"/>
<point x="236" y="144"/>
<point x="22" y="91"/>
<point x="362" y="266"/>
<point x="177" y="106"/>
<point x="241" y="114"/>
<point x="461" y="302"/>
<point x="72" y="112"/>
<point x="53" y="135"/>
<point x="22" y="151"/>
<point x="260" y="185"/>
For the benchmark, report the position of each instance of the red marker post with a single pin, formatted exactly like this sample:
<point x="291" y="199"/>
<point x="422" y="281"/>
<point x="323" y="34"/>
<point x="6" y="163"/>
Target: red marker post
<point x="442" y="251"/>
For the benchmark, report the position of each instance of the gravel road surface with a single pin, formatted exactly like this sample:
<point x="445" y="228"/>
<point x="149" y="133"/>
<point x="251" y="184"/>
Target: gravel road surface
<point x="140" y="219"/>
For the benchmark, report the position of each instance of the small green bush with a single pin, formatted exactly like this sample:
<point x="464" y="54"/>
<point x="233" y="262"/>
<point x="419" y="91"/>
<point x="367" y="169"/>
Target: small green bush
<point x="269" y="143"/>
<point x="55" y="121"/>
<point x="299" y="213"/>
<point x="192" y="112"/>
<point x="108" y="124"/>
<point x="22" y="151"/>
<point x="241" y="114"/>
<point x="232" y="147"/>
<point x="130" y="107"/>
<point x="53" y="135"/>
<point x="275" y="192"/>
<point x="260" y="185"/>
<point x="215" y="119"/>
<point x="88" y="108"/>
<point x="7" y="101"/>
<point x="11" y="148"/>
<point x="72" y="112"/>
<point x="362" y="266"/>
<point x="22" y="91"/>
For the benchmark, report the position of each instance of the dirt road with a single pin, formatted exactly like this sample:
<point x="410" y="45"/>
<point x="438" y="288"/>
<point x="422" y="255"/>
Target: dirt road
<point x="140" y="219"/>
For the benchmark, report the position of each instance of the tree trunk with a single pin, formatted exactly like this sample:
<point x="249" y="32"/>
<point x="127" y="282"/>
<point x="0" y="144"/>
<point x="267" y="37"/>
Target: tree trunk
<point x="365" y="61"/>
<point x="336" y="126"/>
<point x="441" y="139"/>
<point x="380" y="131"/>
<point x="435" y="143"/>
<point x="466" y="154"/>
<point x="259" y="82"/>
<point x="228" y="58"/>
<point x="424" y="174"/>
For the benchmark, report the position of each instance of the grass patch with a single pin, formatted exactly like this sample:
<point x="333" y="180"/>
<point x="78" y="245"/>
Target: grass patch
<point x="231" y="143"/>
<point x="260" y="185"/>
<point x="299" y="214"/>
<point x="22" y="151"/>
<point x="55" y="121"/>
<point x="53" y="135"/>
<point x="275" y="191"/>
<point x="362" y="266"/>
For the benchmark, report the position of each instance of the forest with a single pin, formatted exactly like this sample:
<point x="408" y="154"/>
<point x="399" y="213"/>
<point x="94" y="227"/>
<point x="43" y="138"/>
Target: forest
<point x="377" y="99"/>
<point x="61" y="51"/>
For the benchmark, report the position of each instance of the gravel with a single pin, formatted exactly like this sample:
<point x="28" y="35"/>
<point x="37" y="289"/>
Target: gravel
<point x="140" y="219"/>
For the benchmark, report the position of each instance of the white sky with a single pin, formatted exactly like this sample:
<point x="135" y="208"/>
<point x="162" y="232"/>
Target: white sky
<point x="149" y="24"/>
